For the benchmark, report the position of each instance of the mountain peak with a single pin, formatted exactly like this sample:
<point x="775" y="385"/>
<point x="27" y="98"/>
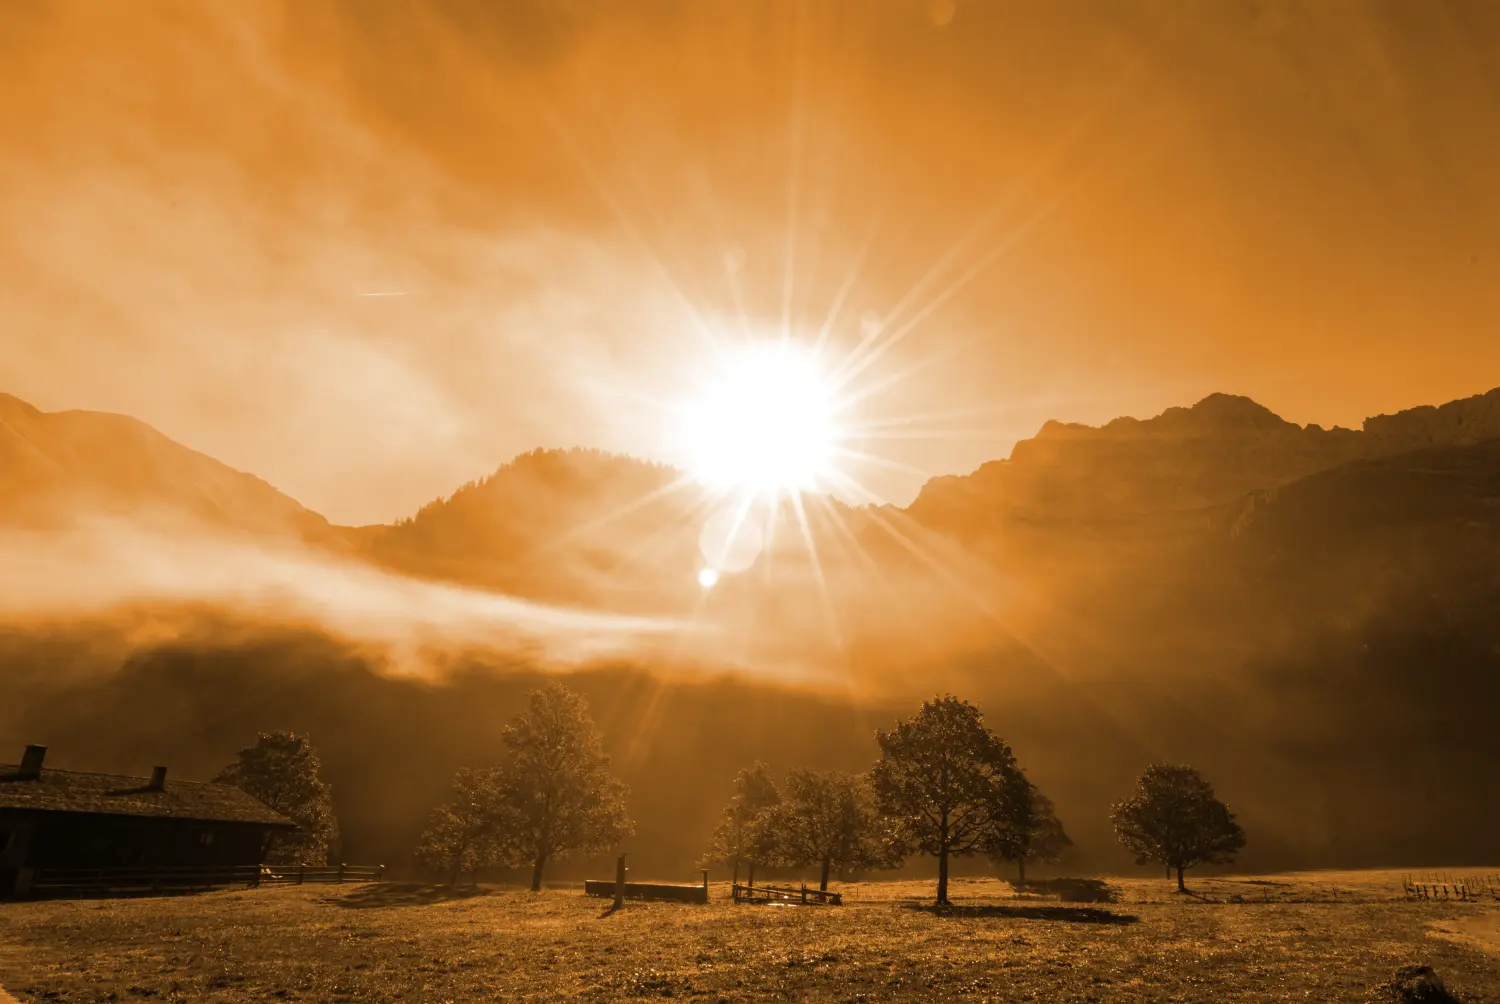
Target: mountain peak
<point x="1236" y="409"/>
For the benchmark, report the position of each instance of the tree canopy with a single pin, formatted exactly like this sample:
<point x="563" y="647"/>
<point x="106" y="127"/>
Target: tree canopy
<point x="1174" y="818"/>
<point x="464" y="833"/>
<point x="742" y="836"/>
<point x="1038" y="834"/>
<point x="282" y="769"/>
<point x="949" y="781"/>
<point x="554" y="793"/>
<point x="828" y="819"/>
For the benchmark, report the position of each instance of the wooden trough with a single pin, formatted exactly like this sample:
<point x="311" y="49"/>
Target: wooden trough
<point x="620" y="890"/>
<point x="648" y="890"/>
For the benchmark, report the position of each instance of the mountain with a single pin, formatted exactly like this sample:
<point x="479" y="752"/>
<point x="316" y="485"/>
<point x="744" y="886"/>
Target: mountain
<point x="602" y="531"/>
<point x="1311" y="616"/>
<point x="57" y="466"/>
<point x="1184" y="460"/>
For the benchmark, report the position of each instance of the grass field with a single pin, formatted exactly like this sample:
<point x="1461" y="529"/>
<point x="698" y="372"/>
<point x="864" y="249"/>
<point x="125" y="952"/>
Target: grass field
<point x="1325" y="936"/>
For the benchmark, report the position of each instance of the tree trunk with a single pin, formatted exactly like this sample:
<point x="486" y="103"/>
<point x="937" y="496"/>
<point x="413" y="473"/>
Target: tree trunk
<point x="1181" y="887"/>
<point x="536" y="873"/>
<point x="736" y="880"/>
<point x="823" y="882"/>
<point x="1021" y="868"/>
<point x="942" y="896"/>
<point x="453" y="875"/>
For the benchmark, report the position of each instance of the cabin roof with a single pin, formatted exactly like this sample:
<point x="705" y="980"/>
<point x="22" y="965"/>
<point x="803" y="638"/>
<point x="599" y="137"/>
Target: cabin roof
<point x="121" y="795"/>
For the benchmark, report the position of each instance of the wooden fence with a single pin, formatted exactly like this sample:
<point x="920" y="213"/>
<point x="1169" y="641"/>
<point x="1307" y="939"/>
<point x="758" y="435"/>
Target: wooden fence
<point x="785" y="894"/>
<point x="183" y="878"/>
<point x="1461" y="887"/>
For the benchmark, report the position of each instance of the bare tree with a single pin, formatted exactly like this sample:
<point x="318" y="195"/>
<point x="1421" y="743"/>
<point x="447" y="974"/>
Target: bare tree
<point x="1174" y="818"/>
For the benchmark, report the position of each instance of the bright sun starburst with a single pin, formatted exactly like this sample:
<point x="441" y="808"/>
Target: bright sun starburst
<point x="763" y="423"/>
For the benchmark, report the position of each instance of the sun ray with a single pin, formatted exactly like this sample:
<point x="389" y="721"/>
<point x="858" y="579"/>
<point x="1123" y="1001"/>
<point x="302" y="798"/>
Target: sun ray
<point x="817" y="567"/>
<point x="565" y="137"/>
<point x="885" y="463"/>
<point x="680" y="483"/>
<point x="851" y="277"/>
<point x="875" y="352"/>
<point x="795" y="141"/>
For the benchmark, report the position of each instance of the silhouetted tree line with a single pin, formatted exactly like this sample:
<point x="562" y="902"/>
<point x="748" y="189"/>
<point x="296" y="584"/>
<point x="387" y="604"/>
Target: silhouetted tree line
<point x="943" y="785"/>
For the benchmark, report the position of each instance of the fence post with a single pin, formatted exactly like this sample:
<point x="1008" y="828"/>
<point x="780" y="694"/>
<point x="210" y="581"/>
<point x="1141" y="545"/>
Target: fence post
<point x="619" y="881"/>
<point x="804" y="894"/>
<point x="342" y="866"/>
<point x="301" y="873"/>
<point x="380" y="873"/>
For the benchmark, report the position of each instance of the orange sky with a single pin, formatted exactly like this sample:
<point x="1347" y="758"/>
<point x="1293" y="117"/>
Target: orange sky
<point x="1150" y="201"/>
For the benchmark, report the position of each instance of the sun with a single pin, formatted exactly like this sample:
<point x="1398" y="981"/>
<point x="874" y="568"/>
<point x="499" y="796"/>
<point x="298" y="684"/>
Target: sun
<point x="763" y="422"/>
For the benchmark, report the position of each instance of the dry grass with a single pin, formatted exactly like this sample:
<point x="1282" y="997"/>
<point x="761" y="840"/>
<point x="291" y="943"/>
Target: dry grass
<point x="1320" y="936"/>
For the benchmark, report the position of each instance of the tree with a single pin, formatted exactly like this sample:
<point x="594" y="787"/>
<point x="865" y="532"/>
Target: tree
<point x="1173" y="818"/>
<point x="741" y="835"/>
<point x="827" y="819"/>
<point x="282" y="770"/>
<point x="555" y="793"/>
<point x="949" y="781"/>
<point x="464" y="833"/>
<point x="1037" y="836"/>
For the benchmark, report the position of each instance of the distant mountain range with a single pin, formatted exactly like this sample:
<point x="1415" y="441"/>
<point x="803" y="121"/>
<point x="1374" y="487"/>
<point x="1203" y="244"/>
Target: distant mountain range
<point x="1311" y="615"/>
<point x="1222" y="449"/>
<point x="1158" y="535"/>
<point x="1062" y="525"/>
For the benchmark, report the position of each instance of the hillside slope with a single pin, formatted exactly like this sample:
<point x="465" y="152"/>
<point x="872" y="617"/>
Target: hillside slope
<point x="59" y="466"/>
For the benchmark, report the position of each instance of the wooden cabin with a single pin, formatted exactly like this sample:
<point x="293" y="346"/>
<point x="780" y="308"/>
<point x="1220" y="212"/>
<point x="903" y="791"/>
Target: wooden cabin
<point x="61" y="822"/>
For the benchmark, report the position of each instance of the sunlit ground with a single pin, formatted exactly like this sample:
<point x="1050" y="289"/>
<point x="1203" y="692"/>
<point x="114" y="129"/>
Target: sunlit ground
<point x="1332" y="936"/>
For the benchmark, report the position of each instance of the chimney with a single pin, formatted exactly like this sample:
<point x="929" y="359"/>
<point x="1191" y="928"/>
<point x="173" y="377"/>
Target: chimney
<point x="158" y="779"/>
<point x="31" y="762"/>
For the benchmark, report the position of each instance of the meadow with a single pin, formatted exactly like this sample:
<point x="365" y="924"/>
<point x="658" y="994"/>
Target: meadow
<point x="1321" y="936"/>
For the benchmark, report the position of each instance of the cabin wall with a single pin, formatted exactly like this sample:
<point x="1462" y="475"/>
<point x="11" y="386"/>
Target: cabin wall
<point x="78" y="840"/>
<point x="15" y="843"/>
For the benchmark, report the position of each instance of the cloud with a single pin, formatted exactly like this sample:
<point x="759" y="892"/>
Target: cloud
<point x="116" y="568"/>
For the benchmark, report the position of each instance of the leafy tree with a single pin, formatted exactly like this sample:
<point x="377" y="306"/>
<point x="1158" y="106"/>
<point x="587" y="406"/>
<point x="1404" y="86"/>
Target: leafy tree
<point x="282" y="769"/>
<point x="1173" y="818"/>
<point x="742" y="836"/>
<point x="464" y="833"/>
<point x="827" y="819"/>
<point x="556" y="795"/>
<point x="1037" y="836"/>
<point x="949" y="780"/>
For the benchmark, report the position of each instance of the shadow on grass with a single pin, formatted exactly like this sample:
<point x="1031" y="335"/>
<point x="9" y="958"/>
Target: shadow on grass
<point x="1071" y="890"/>
<point x="1069" y="914"/>
<point x="393" y="894"/>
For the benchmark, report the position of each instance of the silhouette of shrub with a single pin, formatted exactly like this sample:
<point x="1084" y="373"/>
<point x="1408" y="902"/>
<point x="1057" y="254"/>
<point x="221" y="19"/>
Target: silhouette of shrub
<point x="1073" y="890"/>
<point x="1418" y="985"/>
